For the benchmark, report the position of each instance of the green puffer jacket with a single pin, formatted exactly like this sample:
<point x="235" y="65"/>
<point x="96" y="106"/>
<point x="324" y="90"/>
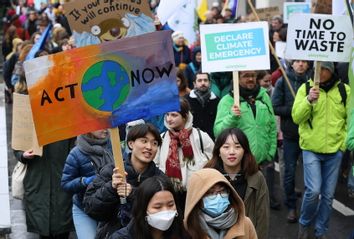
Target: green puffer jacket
<point x="350" y="138"/>
<point x="327" y="117"/>
<point x="260" y="131"/>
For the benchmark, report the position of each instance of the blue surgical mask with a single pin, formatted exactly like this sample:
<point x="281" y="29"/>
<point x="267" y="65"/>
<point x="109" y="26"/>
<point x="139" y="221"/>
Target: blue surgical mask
<point x="215" y="205"/>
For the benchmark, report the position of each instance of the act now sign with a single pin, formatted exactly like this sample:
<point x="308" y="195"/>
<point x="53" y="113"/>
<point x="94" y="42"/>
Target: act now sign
<point x="319" y="37"/>
<point x="234" y="47"/>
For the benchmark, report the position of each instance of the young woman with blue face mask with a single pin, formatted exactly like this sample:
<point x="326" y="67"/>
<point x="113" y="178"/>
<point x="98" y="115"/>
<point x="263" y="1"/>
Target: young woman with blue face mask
<point x="155" y="213"/>
<point x="214" y="210"/>
<point x="233" y="158"/>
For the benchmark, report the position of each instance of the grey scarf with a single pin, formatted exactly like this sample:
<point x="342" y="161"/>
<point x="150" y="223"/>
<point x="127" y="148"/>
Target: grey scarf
<point x="202" y="96"/>
<point x="97" y="149"/>
<point x="220" y="223"/>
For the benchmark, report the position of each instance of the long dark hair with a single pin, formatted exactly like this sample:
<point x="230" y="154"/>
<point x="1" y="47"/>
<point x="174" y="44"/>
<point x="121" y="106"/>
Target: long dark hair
<point x="184" y="83"/>
<point x="143" y="195"/>
<point x="248" y="163"/>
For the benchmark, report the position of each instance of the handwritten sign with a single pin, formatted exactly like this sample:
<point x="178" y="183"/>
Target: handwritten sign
<point x="102" y="86"/>
<point x="83" y="14"/>
<point x="319" y="37"/>
<point x="23" y="132"/>
<point x="234" y="47"/>
<point x="266" y="14"/>
<point x="97" y="21"/>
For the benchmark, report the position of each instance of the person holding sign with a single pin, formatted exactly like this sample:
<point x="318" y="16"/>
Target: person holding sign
<point x="298" y="74"/>
<point x="102" y="198"/>
<point x="47" y="205"/>
<point x="255" y="117"/>
<point x="321" y="113"/>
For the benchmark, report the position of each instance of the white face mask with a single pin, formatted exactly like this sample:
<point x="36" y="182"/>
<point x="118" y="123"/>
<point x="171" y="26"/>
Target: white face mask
<point x="161" y="220"/>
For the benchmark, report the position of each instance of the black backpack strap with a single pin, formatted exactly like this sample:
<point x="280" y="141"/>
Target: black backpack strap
<point x="343" y="93"/>
<point x="200" y="140"/>
<point x="307" y="86"/>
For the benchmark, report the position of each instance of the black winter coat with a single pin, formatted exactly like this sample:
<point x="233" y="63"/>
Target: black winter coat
<point x="203" y="117"/>
<point x="102" y="202"/>
<point x="283" y="101"/>
<point x="47" y="205"/>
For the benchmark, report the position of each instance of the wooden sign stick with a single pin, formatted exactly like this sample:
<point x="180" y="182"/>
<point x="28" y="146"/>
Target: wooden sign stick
<point x="316" y="80"/>
<point x="235" y="81"/>
<point x="117" y="153"/>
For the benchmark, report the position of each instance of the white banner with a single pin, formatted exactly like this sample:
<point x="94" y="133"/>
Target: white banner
<point x="167" y="8"/>
<point x="319" y="37"/>
<point x="183" y="20"/>
<point x="234" y="47"/>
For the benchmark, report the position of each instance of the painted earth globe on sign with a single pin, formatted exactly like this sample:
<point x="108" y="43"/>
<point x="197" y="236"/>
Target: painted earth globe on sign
<point x="105" y="85"/>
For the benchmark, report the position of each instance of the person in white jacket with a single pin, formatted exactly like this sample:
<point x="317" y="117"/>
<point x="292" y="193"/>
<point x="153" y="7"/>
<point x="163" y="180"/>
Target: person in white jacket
<point x="184" y="149"/>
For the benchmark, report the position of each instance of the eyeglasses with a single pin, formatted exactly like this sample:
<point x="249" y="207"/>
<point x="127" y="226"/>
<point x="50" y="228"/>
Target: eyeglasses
<point x="223" y="193"/>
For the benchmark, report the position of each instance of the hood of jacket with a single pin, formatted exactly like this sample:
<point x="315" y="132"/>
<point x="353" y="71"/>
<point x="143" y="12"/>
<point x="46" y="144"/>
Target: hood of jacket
<point x="194" y="53"/>
<point x="189" y="122"/>
<point x="200" y="182"/>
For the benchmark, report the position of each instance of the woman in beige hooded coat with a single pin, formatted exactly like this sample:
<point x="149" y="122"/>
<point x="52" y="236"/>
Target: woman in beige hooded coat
<point x="214" y="210"/>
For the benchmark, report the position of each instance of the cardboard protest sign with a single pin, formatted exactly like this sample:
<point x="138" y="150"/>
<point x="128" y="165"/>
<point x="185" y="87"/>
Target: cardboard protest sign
<point x="102" y="86"/>
<point x="294" y="8"/>
<point x="266" y="14"/>
<point x="234" y="47"/>
<point x="321" y="6"/>
<point x="318" y="37"/>
<point x="96" y="21"/>
<point x="23" y="133"/>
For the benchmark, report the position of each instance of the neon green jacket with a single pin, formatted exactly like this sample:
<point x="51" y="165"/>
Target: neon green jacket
<point x="260" y="131"/>
<point x="327" y="117"/>
<point x="350" y="137"/>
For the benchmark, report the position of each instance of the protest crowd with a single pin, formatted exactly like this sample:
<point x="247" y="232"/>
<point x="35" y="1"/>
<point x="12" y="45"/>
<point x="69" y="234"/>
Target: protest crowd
<point x="204" y="171"/>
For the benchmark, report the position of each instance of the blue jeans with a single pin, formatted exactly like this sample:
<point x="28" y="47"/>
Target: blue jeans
<point x="85" y="226"/>
<point x="291" y="154"/>
<point x="320" y="177"/>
